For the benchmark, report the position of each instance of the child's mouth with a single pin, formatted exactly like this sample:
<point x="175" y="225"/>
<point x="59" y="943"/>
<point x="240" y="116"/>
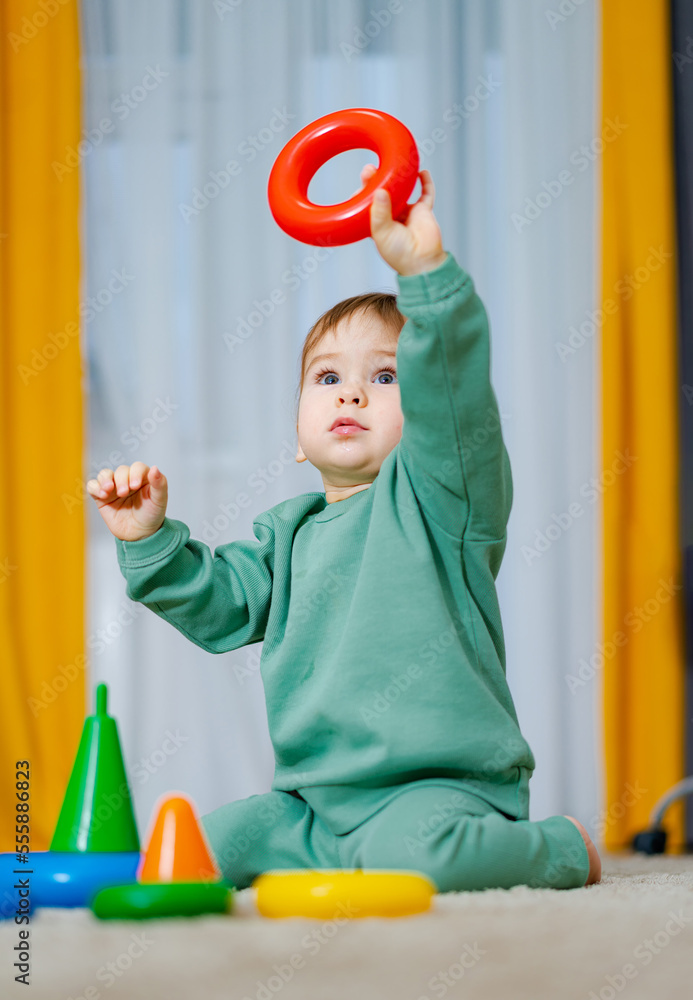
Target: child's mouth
<point x="344" y="429"/>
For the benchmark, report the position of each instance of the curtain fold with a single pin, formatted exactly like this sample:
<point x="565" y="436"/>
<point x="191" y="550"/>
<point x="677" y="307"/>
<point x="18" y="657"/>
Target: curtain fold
<point x="642" y="655"/>
<point x="42" y="531"/>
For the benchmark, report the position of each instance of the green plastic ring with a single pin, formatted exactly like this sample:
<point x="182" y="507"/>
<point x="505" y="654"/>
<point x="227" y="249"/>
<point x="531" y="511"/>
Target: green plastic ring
<point x="141" y="900"/>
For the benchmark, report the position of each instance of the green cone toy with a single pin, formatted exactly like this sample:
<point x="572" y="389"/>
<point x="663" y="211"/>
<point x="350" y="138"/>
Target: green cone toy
<point x="97" y="812"/>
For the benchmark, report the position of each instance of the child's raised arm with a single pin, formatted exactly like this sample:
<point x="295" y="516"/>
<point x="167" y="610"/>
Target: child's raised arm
<point x="452" y="426"/>
<point x="451" y="439"/>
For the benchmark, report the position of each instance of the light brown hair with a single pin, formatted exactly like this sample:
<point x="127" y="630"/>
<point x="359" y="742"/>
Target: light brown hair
<point x="382" y="304"/>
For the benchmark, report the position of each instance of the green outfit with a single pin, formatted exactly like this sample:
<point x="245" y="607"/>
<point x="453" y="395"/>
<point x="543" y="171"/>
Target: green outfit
<point x="383" y="660"/>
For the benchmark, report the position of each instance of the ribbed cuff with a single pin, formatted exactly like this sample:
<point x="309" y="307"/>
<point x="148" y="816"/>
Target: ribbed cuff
<point x="153" y="548"/>
<point x="431" y="286"/>
<point x="569" y="862"/>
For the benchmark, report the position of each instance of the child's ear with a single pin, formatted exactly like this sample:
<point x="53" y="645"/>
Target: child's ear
<point x="300" y="457"/>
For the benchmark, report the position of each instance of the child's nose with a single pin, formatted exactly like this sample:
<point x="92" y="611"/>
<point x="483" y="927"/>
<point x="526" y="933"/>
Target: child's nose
<point x="351" y="395"/>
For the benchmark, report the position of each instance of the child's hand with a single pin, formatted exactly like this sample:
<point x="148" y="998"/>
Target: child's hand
<point x="132" y="501"/>
<point x="415" y="246"/>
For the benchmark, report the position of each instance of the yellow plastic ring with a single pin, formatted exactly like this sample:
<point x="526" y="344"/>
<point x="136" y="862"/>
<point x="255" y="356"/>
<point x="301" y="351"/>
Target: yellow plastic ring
<point x="329" y="893"/>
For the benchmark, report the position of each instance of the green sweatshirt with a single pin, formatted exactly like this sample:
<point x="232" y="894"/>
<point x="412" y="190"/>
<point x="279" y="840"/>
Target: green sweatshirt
<point x="383" y="659"/>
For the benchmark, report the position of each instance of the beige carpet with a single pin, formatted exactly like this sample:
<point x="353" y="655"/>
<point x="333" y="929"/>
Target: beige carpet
<point x="631" y="935"/>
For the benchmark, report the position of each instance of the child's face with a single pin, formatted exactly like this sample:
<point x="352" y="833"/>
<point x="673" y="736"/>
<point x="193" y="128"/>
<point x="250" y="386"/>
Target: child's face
<point x="354" y="384"/>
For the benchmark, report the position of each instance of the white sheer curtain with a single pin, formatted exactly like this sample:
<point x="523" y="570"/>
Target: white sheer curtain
<point x="193" y="351"/>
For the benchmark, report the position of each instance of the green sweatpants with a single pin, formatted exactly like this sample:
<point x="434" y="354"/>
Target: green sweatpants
<point x="429" y="826"/>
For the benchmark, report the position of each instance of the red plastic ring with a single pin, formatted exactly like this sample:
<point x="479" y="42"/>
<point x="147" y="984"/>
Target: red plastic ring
<point x="309" y="149"/>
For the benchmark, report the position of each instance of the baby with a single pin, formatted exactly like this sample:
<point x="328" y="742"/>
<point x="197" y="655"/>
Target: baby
<point x="396" y="740"/>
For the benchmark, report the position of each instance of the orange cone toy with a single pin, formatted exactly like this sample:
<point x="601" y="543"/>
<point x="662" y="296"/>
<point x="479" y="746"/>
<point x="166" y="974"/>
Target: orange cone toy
<point x="177" y="875"/>
<point x="177" y="850"/>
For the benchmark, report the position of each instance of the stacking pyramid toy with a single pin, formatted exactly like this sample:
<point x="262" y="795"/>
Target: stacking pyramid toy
<point x="97" y="812"/>
<point x="95" y="843"/>
<point x="178" y="875"/>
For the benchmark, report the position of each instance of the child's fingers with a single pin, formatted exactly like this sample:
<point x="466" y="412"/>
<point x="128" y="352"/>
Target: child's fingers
<point x="93" y="487"/>
<point x="158" y="486"/>
<point x="428" y="190"/>
<point x="138" y="474"/>
<point x="122" y="480"/>
<point x="366" y="174"/>
<point x="381" y="213"/>
<point x="105" y="481"/>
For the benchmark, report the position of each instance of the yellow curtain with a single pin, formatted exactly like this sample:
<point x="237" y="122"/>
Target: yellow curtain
<point x="42" y="533"/>
<point x="643" y="615"/>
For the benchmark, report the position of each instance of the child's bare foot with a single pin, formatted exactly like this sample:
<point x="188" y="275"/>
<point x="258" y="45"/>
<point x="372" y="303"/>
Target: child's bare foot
<point x="595" y="873"/>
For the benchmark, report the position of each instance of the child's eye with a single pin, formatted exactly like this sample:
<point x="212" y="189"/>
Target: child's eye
<point x="326" y="371"/>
